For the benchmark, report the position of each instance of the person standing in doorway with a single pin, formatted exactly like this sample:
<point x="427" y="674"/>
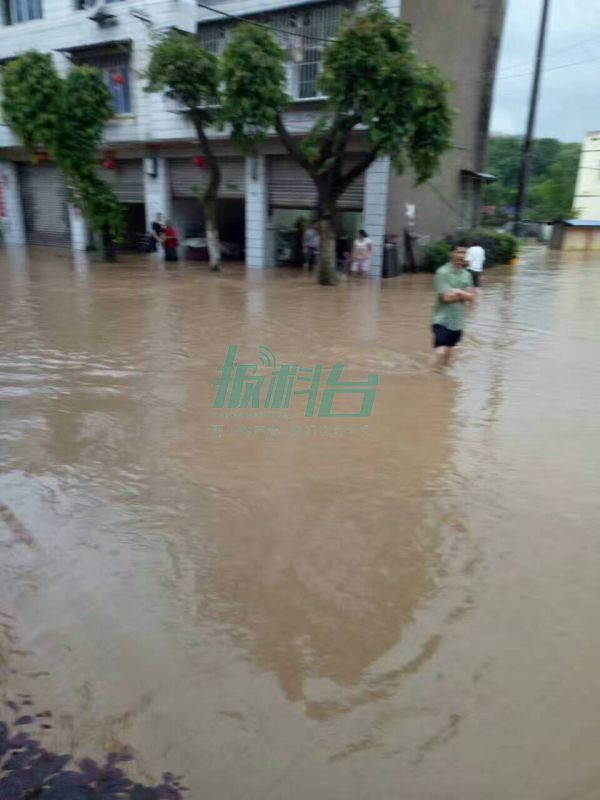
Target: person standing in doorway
<point x="170" y="243"/>
<point x="475" y="259"/>
<point x="158" y="230"/>
<point x="453" y="289"/>
<point x="362" y="250"/>
<point x="310" y="245"/>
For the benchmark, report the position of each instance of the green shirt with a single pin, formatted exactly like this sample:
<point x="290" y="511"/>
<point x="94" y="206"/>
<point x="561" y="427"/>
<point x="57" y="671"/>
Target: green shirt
<point x="450" y="315"/>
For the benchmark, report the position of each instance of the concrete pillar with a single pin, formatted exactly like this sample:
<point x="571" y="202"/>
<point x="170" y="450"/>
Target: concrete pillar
<point x="257" y="250"/>
<point x="13" y="222"/>
<point x="375" y="210"/>
<point x="78" y="228"/>
<point x="157" y="191"/>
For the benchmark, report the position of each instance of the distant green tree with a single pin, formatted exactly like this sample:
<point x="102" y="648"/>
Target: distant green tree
<point x="188" y="73"/>
<point x="66" y="117"/>
<point x="374" y="85"/>
<point x="552" y="179"/>
<point x="553" y="197"/>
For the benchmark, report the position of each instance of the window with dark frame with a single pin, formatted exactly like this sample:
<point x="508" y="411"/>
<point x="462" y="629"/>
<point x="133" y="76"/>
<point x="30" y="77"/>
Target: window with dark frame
<point x="114" y="66"/>
<point x="82" y="4"/>
<point x="16" y="11"/>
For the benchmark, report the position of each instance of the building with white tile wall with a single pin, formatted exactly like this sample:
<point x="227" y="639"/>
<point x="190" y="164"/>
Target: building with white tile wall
<point x="587" y="188"/>
<point x="152" y="144"/>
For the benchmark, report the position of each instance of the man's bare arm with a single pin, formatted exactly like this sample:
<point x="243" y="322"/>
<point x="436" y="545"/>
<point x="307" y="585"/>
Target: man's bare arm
<point x="451" y="297"/>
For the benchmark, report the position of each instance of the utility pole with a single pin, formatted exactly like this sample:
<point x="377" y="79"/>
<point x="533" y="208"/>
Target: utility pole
<point x="527" y="155"/>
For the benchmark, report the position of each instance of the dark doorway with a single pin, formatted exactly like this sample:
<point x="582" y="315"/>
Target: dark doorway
<point x="232" y="228"/>
<point x="135" y="226"/>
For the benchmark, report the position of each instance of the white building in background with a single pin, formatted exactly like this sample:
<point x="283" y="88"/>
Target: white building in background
<point x="587" y="188"/>
<point x="151" y="144"/>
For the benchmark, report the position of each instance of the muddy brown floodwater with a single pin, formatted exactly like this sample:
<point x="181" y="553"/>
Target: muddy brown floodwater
<point x="401" y="606"/>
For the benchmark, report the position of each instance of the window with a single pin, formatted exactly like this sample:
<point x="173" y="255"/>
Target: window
<point x="16" y="11"/>
<point x="93" y="3"/>
<point x="214" y="37"/>
<point x="302" y="33"/>
<point x="117" y="80"/>
<point x="114" y="66"/>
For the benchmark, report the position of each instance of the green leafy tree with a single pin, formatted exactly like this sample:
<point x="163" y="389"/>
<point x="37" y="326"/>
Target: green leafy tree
<point x="552" y="198"/>
<point x="188" y="73"/>
<point x="66" y="117"/>
<point x="375" y="86"/>
<point x="32" y="100"/>
<point x="552" y="180"/>
<point x="87" y="107"/>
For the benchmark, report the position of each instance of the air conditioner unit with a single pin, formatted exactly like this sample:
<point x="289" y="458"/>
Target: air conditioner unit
<point x="102" y="16"/>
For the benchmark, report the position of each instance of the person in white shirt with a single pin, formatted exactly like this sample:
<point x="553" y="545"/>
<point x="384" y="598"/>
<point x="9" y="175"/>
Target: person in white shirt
<point x="475" y="259"/>
<point x="362" y="249"/>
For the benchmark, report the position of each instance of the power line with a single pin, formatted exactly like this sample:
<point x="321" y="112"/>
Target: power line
<point x="550" y="55"/>
<point x="526" y="74"/>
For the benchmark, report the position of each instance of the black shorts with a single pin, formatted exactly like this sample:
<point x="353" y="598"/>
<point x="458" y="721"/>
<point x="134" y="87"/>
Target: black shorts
<point x="444" y="337"/>
<point x="475" y="276"/>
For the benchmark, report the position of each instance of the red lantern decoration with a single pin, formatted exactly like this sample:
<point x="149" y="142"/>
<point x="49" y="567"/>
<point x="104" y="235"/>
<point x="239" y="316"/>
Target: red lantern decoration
<point x="199" y="161"/>
<point x="108" y="163"/>
<point x="118" y="79"/>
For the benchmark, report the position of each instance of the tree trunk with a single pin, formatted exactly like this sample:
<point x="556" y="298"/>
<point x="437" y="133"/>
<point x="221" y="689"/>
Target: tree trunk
<point x="212" y="234"/>
<point x="327" y="275"/>
<point x="210" y="198"/>
<point x="109" y="248"/>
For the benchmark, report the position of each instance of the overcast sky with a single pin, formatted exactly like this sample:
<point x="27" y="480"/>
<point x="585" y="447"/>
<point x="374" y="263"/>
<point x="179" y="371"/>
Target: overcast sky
<point x="570" y="96"/>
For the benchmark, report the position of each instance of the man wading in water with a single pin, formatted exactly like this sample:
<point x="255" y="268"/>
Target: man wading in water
<point x="453" y="288"/>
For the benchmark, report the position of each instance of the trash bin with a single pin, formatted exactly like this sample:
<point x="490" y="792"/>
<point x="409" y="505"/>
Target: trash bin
<point x="392" y="265"/>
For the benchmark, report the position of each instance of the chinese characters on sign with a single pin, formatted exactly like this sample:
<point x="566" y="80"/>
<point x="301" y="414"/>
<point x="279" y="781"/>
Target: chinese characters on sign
<point x="268" y="385"/>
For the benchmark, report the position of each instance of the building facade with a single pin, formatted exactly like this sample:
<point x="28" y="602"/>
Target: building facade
<point x="150" y="145"/>
<point x="587" y="188"/>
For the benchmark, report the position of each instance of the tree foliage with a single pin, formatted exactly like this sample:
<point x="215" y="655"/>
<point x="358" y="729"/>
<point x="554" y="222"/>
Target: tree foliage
<point x="552" y="179"/>
<point x="372" y="78"/>
<point x="376" y="89"/>
<point x="86" y="108"/>
<point x="184" y="71"/>
<point x="32" y="98"/>
<point x="254" y="75"/>
<point x="66" y="117"/>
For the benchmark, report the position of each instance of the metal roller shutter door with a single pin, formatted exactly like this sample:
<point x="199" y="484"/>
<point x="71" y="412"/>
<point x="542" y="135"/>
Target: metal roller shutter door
<point x="45" y="205"/>
<point x="127" y="180"/>
<point x="187" y="180"/>
<point x="290" y="186"/>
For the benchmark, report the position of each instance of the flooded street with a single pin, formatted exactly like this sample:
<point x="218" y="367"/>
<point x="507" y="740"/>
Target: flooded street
<point x="404" y="605"/>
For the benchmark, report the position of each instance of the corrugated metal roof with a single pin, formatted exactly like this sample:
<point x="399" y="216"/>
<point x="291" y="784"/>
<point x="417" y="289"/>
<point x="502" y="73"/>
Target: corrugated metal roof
<point x="122" y="44"/>
<point x="581" y="223"/>
<point x="483" y="176"/>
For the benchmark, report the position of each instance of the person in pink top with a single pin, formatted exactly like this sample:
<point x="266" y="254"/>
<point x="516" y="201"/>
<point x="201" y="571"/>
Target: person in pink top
<point x="360" y="258"/>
